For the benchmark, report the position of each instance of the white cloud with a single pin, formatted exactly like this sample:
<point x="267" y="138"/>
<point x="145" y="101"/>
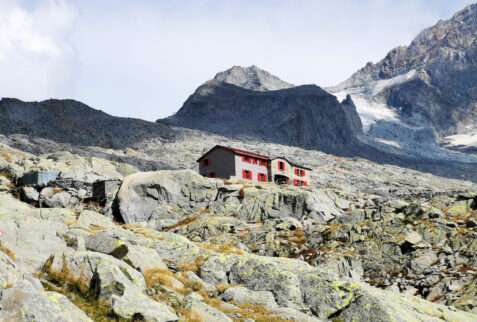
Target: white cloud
<point x="37" y="61"/>
<point x="144" y="58"/>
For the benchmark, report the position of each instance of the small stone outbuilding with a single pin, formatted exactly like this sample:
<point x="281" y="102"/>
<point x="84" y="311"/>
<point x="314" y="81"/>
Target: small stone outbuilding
<point x="39" y="178"/>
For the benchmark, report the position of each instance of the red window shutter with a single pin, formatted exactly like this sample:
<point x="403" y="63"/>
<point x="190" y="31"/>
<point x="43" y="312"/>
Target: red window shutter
<point x="296" y="171"/>
<point x="305" y="184"/>
<point x="258" y="177"/>
<point x="208" y="162"/>
<point x="243" y="159"/>
<point x="303" y="174"/>
<point x="244" y="174"/>
<point x="250" y="175"/>
<point x="265" y="178"/>
<point x="203" y="163"/>
<point x="295" y="182"/>
<point x="266" y="163"/>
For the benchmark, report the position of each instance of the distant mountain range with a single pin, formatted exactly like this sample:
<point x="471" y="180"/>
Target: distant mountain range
<point x="419" y="101"/>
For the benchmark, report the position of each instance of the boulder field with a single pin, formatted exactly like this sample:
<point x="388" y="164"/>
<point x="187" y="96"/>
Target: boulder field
<point x="174" y="246"/>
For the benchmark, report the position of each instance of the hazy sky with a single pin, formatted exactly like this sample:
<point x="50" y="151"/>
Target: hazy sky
<point x="142" y="58"/>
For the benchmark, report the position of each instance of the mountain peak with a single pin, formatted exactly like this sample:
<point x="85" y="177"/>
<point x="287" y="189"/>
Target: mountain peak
<point x="252" y="78"/>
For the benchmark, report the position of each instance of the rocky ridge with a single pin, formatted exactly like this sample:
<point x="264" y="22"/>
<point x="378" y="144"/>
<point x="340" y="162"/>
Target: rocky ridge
<point x="304" y="116"/>
<point x="55" y="125"/>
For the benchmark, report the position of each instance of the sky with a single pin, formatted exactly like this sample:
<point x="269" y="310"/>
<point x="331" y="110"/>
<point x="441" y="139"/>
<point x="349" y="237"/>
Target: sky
<point x="143" y="58"/>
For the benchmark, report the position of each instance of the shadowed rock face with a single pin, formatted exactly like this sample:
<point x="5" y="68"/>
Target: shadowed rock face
<point x="443" y="61"/>
<point x="304" y="116"/>
<point x="70" y="121"/>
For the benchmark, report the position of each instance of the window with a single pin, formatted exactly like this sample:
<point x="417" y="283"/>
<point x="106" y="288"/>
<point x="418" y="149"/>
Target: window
<point x="211" y="175"/>
<point x="205" y="162"/>
<point x="302" y="173"/>
<point x="303" y="183"/>
<point x="249" y="160"/>
<point x="254" y="161"/>
<point x="281" y="165"/>
<point x="244" y="159"/>
<point x="297" y="172"/>
<point x="262" y="177"/>
<point x="296" y="182"/>
<point x="247" y="174"/>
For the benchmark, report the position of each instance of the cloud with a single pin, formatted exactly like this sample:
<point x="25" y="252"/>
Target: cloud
<point x="37" y="59"/>
<point x="143" y="58"/>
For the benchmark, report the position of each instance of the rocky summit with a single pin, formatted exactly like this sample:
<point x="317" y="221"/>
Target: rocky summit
<point x="252" y="78"/>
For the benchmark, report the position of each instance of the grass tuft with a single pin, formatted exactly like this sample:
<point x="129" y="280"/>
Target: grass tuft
<point x="183" y="222"/>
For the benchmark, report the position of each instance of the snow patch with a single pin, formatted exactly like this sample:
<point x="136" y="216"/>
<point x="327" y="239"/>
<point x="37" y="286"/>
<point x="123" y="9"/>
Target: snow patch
<point x="461" y="139"/>
<point x="388" y="142"/>
<point x="382" y="84"/>
<point x="370" y="110"/>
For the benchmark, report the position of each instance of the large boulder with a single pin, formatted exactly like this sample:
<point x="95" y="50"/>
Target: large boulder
<point x="143" y="258"/>
<point x="144" y="196"/>
<point x="202" y="311"/>
<point x="31" y="238"/>
<point x="106" y="244"/>
<point x="25" y="303"/>
<point x="106" y="274"/>
<point x="112" y="280"/>
<point x="242" y="295"/>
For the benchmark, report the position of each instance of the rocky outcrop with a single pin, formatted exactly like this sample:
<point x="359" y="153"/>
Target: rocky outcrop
<point x="159" y="195"/>
<point x="24" y="303"/>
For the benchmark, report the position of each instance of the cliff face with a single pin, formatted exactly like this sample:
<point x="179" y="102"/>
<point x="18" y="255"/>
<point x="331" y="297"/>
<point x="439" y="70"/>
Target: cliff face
<point x="304" y="116"/>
